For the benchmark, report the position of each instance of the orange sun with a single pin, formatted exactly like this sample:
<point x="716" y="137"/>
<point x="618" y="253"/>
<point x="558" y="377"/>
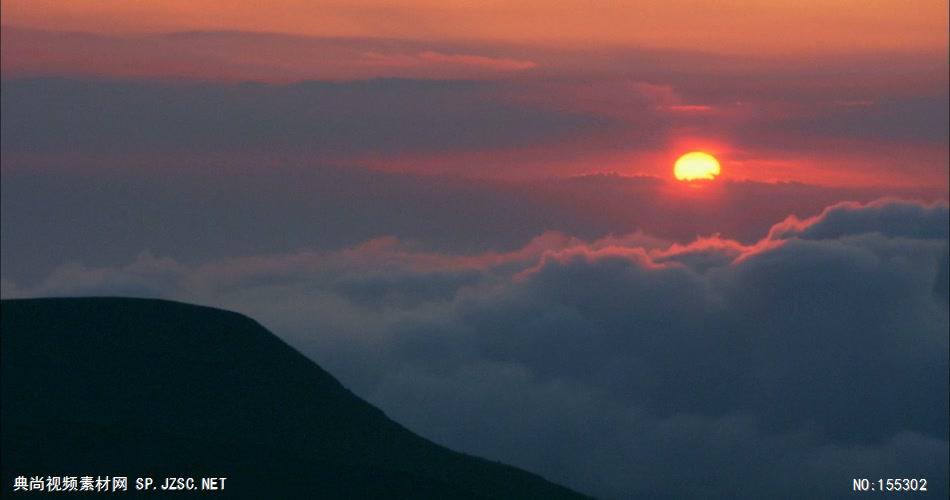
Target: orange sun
<point x="696" y="166"/>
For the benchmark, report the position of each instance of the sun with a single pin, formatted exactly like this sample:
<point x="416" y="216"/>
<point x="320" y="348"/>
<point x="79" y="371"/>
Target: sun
<point x="695" y="166"/>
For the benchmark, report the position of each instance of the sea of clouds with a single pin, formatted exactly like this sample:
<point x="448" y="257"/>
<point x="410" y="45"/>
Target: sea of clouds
<point x="627" y="366"/>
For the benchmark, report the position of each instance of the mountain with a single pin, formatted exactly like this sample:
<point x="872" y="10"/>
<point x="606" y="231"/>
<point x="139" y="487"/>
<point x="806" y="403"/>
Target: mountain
<point x="152" y="388"/>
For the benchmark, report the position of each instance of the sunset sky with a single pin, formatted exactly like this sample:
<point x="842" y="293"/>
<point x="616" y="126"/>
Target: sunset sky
<point x="851" y="93"/>
<point x="416" y="178"/>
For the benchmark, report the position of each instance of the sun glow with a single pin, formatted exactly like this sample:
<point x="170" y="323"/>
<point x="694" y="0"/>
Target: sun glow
<point x="696" y="166"/>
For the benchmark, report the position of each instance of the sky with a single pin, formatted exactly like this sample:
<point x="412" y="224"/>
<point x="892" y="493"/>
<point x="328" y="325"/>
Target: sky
<point x="467" y="212"/>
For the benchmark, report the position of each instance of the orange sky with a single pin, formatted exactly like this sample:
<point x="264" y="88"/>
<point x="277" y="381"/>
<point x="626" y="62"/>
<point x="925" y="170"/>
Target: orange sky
<point x="777" y="89"/>
<point x="726" y="26"/>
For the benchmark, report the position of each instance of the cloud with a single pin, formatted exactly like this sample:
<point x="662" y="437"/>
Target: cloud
<point x="889" y="218"/>
<point x="321" y="119"/>
<point x="101" y="215"/>
<point x="501" y="110"/>
<point x="249" y="56"/>
<point x="627" y="366"/>
<point x="434" y="58"/>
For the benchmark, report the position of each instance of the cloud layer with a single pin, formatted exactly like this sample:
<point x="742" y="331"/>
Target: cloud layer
<point x="323" y="119"/>
<point x="627" y="366"/>
<point x="210" y="210"/>
<point x="818" y="129"/>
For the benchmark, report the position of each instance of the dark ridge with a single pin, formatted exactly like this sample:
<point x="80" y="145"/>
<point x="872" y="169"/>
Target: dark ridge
<point x="152" y="388"/>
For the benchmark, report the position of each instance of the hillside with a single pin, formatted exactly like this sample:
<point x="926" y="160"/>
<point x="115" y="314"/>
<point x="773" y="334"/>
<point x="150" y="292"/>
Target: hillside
<point x="133" y="387"/>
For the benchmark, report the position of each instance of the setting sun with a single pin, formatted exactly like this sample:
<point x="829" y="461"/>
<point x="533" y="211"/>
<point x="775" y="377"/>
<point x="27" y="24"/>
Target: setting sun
<point x="696" y="166"/>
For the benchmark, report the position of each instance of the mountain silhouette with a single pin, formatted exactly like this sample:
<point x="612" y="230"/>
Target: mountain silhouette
<point x="153" y="388"/>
